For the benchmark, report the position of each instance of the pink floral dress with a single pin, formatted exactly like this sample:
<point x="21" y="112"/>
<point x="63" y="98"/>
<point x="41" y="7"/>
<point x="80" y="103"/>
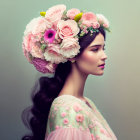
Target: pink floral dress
<point x="70" y="118"/>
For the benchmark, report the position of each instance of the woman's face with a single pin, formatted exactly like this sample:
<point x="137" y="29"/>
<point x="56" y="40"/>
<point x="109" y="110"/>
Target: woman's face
<point x="93" y="56"/>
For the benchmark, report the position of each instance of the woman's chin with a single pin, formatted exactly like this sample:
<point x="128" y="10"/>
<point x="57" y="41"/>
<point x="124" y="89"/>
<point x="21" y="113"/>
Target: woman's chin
<point x="99" y="73"/>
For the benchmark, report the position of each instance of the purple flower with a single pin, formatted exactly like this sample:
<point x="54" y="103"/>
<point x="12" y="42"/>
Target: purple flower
<point x="49" y="35"/>
<point x="43" y="65"/>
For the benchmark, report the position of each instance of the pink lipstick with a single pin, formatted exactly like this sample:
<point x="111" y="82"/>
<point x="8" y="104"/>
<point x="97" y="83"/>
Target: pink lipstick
<point x="102" y="66"/>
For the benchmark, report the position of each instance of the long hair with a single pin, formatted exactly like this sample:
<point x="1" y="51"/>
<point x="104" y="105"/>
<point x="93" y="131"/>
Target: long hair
<point x="35" y="117"/>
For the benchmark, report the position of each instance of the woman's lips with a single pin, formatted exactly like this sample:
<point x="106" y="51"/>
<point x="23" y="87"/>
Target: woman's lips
<point x="102" y="66"/>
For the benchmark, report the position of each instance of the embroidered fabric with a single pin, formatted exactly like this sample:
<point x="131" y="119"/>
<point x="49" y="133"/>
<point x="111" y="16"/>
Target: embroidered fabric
<point x="70" y="118"/>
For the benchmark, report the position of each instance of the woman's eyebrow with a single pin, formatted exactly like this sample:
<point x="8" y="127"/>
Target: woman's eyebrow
<point x="97" y="45"/>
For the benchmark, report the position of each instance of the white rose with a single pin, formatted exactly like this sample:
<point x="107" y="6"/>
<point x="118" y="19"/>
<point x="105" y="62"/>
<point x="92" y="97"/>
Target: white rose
<point x="69" y="47"/>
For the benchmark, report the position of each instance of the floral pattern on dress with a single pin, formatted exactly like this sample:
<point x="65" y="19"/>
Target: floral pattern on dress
<point x="71" y="112"/>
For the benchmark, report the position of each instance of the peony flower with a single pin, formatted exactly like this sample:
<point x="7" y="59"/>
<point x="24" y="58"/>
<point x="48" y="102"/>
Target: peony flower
<point x="37" y="25"/>
<point x="57" y="39"/>
<point x="49" y="35"/>
<point x="43" y="66"/>
<point x="102" y="20"/>
<point x="89" y="19"/>
<point x="55" y="13"/>
<point x="37" y="52"/>
<point x="52" y="53"/>
<point x="72" y="13"/>
<point x="65" y="121"/>
<point x="79" y="117"/>
<point x="68" y="28"/>
<point x="77" y="107"/>
<point x="69" y="47"/>
<point x="63" y="114"/>
<point x="29" y="41"/>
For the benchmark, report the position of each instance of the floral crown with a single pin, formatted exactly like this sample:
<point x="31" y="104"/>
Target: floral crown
<point x="53" y="37"/>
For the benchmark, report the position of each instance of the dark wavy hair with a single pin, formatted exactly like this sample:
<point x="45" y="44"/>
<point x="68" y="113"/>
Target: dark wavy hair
<point x="35" y="116"/>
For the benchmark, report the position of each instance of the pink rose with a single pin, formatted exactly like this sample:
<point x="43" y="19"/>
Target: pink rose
<point x="57" y="38"/>
<point x="105" y="25"/>
<point x="77" y="107"/>
<point x="63" y="114"/>
<point x="37" y="52"/>
<point x="72" y="13"/>
<point x="37" y="25"/>
<point x="68" y="28"/>
<point x="66" y="121"/>
<point x="88" y="19"/>
<point x="102" y="20"/>
<point x="52" y="54"/>
<point x="79" y="117"/>
<point x="69" y="47"/>
<point x="95" y="25"/>
<point x="29" y="41"/>
<point x="54" y="14"/>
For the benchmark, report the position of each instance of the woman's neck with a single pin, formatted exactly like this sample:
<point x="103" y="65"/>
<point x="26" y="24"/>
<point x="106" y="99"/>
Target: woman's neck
<point x="74" y="84"/>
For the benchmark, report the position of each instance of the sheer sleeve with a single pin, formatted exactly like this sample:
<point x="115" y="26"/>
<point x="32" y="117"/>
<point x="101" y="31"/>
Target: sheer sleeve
<point x="67" y="122"/>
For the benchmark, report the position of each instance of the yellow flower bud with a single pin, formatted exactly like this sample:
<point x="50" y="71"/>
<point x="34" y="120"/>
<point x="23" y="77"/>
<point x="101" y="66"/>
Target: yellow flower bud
<point x="43" y="14"/>
<point x="78" y="17"/>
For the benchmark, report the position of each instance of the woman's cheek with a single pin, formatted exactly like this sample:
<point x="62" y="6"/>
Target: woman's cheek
<point x="89" y="57"/>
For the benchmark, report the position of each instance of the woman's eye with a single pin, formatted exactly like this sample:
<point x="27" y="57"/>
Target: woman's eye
<point x="95" y="50"/>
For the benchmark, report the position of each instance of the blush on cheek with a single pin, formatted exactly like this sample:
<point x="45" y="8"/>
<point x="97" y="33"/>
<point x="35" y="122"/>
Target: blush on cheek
<point x="89" y="58"/>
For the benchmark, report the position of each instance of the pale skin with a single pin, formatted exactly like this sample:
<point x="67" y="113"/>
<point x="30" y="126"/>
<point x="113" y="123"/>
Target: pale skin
<point x="87" y="63"/>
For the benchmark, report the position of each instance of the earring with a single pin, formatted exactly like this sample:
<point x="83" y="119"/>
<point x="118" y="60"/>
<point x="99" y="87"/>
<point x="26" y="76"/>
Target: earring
<point x="72" y="61"/>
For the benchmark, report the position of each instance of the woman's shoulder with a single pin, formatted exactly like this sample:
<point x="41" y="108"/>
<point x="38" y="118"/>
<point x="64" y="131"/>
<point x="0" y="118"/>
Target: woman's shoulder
<point x="66" y="101"/>
<point x="67" y="110"/>
<point x="70" y="104"/>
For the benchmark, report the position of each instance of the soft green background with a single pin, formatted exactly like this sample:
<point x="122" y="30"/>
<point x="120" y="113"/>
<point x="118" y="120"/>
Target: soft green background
<point x="116" y="93"/>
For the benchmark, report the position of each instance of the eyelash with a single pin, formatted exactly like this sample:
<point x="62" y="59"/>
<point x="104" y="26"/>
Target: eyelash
<point x="97" y="49"/>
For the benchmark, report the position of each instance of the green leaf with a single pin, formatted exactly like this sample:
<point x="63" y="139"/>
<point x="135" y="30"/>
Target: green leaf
<point x="43" y="46"/>
<point x="30" y="56"/>
<point x="107" y="29"/>
<point x="65" y="12"/>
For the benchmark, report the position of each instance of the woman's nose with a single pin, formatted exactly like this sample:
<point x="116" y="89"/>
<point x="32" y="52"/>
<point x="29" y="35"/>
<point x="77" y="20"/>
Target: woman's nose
<point x="104" y="56"/>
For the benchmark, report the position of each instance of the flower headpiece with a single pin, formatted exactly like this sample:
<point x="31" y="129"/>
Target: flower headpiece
<point x="53" y="37"/>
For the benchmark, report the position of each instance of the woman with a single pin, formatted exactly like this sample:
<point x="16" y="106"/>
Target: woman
<point x="71" y="48"/>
